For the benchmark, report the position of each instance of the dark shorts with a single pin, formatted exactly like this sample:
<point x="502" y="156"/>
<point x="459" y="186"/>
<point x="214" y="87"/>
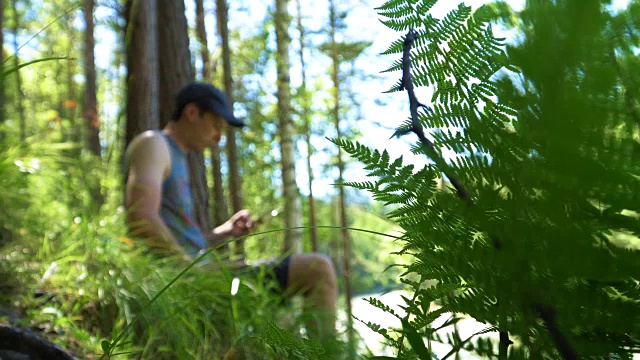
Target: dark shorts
<point x="276" y="271"/>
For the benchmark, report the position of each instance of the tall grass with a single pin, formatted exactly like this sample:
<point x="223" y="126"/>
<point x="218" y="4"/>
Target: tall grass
<point x="80" y="280"/>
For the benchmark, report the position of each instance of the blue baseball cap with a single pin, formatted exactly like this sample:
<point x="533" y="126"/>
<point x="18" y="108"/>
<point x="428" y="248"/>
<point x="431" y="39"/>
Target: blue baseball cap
<point x="208" y="98"/>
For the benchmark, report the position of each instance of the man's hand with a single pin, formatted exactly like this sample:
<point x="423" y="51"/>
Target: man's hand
<point x="239" y="224"/>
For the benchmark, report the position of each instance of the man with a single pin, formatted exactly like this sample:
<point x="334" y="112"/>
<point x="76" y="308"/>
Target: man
<point x="160" y="208"/>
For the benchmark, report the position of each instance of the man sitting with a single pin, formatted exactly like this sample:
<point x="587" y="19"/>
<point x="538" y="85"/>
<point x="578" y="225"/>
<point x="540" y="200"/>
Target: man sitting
<point x="160" y="209"/>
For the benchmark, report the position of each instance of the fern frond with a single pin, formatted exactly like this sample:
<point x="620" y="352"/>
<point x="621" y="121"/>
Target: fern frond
<point x="397" y="65"/>
<point x="382" y="306"/>
<point x="285" y="343"/>
<point x="409" y="22"/>
<point x="396" y="6"/>
<point x="549" y="160"/>
<point x="377" y="329"/>
<point x="451" y="22"/>
<point x="423" y="321"/>
<point x="394" y="48"/>
<point x="367" y="185"/>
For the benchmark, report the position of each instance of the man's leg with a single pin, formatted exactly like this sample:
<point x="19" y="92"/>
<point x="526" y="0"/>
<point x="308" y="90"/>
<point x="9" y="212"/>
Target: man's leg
<point x="314" y="276"/>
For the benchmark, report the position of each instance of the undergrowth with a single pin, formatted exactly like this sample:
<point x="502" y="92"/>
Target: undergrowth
<point x="72" y="274"/>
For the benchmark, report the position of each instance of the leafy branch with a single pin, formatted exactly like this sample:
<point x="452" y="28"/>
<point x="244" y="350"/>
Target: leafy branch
<point x="416" y="127"/>
<point x="545" y="312"/>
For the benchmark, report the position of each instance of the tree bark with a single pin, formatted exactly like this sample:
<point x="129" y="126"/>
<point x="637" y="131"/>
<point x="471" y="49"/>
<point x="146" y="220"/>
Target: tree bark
<point x="174" y="55"/>
<point x="306" y="119"/>
<point x="220" y="212"/>
<point x="346" y="251"/>
<point x="90" y="89"/>
<point x="292" y="238"/>
<point x="142" y="76"/>
<point x="175" y="72"/>
<point x="16" y="62"/>
<point x="201" y="32"/>
<point x="71" y="106"/>
<point x="2" y="92"/>
<point x="235" y="183"/>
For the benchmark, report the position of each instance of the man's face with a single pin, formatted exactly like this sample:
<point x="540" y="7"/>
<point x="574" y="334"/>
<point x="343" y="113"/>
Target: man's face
<point x="212" y="126"/>
<point x="205" y="127"/>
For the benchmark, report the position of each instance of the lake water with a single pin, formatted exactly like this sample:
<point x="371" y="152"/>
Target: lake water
<point x="366" y="312"/>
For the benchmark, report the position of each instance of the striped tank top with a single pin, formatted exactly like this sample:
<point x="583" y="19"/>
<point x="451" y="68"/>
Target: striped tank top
<point x="176" y="209"/>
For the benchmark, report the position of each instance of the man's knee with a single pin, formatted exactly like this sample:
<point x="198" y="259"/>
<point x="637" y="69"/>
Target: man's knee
<point x="325" y="271"/>
<point x="318" y="271"/>
<point x="325" y="264"/>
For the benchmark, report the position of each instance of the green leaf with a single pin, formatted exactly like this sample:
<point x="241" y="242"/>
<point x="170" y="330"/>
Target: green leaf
<point x="106" y="346"/>
<point x="416" y="341"/>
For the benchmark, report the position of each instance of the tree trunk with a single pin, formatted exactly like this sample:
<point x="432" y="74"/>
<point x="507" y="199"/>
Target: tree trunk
<point x="176" y="72"/>
<point x="292" y="238"/>
<point x="306" y="119"/>
<point x="2" y="92"/>
<point x="199" y="190"/>
<point x="174" y="55"/>
<point x="346" y="251"/>
<point x="220" y="213"/>
<point x="220" y="210"/>
<point x="16" y="62"/>
<point x="71" y="106"/>
<point x="142" y="76"/>
<point x="201" y="32"/>
<point x="235" y="184"/>
<point x="90" y="91"/>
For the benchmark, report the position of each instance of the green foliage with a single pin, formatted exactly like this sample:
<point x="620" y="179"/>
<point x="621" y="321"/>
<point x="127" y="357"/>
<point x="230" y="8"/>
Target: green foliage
<point x="98" y="289"/>
<point x="546" y="140"/>
<point x="288" y="347"/>
<point x="374" y="265"/>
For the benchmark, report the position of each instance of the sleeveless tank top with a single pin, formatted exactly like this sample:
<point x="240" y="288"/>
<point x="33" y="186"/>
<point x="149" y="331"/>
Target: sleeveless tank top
<point x="176" y="209"/>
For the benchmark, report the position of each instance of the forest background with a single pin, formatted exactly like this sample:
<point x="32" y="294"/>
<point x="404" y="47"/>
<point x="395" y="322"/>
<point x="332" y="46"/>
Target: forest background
<point x="298" y="72"/>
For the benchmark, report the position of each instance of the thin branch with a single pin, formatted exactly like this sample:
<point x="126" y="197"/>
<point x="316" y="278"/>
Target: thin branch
<point x="548" y="316"/>
<point x="503" y="347"/>
<point x="416" y="126"/>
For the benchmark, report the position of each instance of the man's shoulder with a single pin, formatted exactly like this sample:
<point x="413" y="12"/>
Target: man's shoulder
<point x="150" y="146"/>
<point x="147" y="137"/>
<point x="147" y="140"/>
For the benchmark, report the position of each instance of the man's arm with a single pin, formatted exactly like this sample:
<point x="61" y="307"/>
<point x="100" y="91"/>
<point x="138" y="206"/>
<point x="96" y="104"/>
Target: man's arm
<point x="149" y="162"/>
<point x="239" y="224"/>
